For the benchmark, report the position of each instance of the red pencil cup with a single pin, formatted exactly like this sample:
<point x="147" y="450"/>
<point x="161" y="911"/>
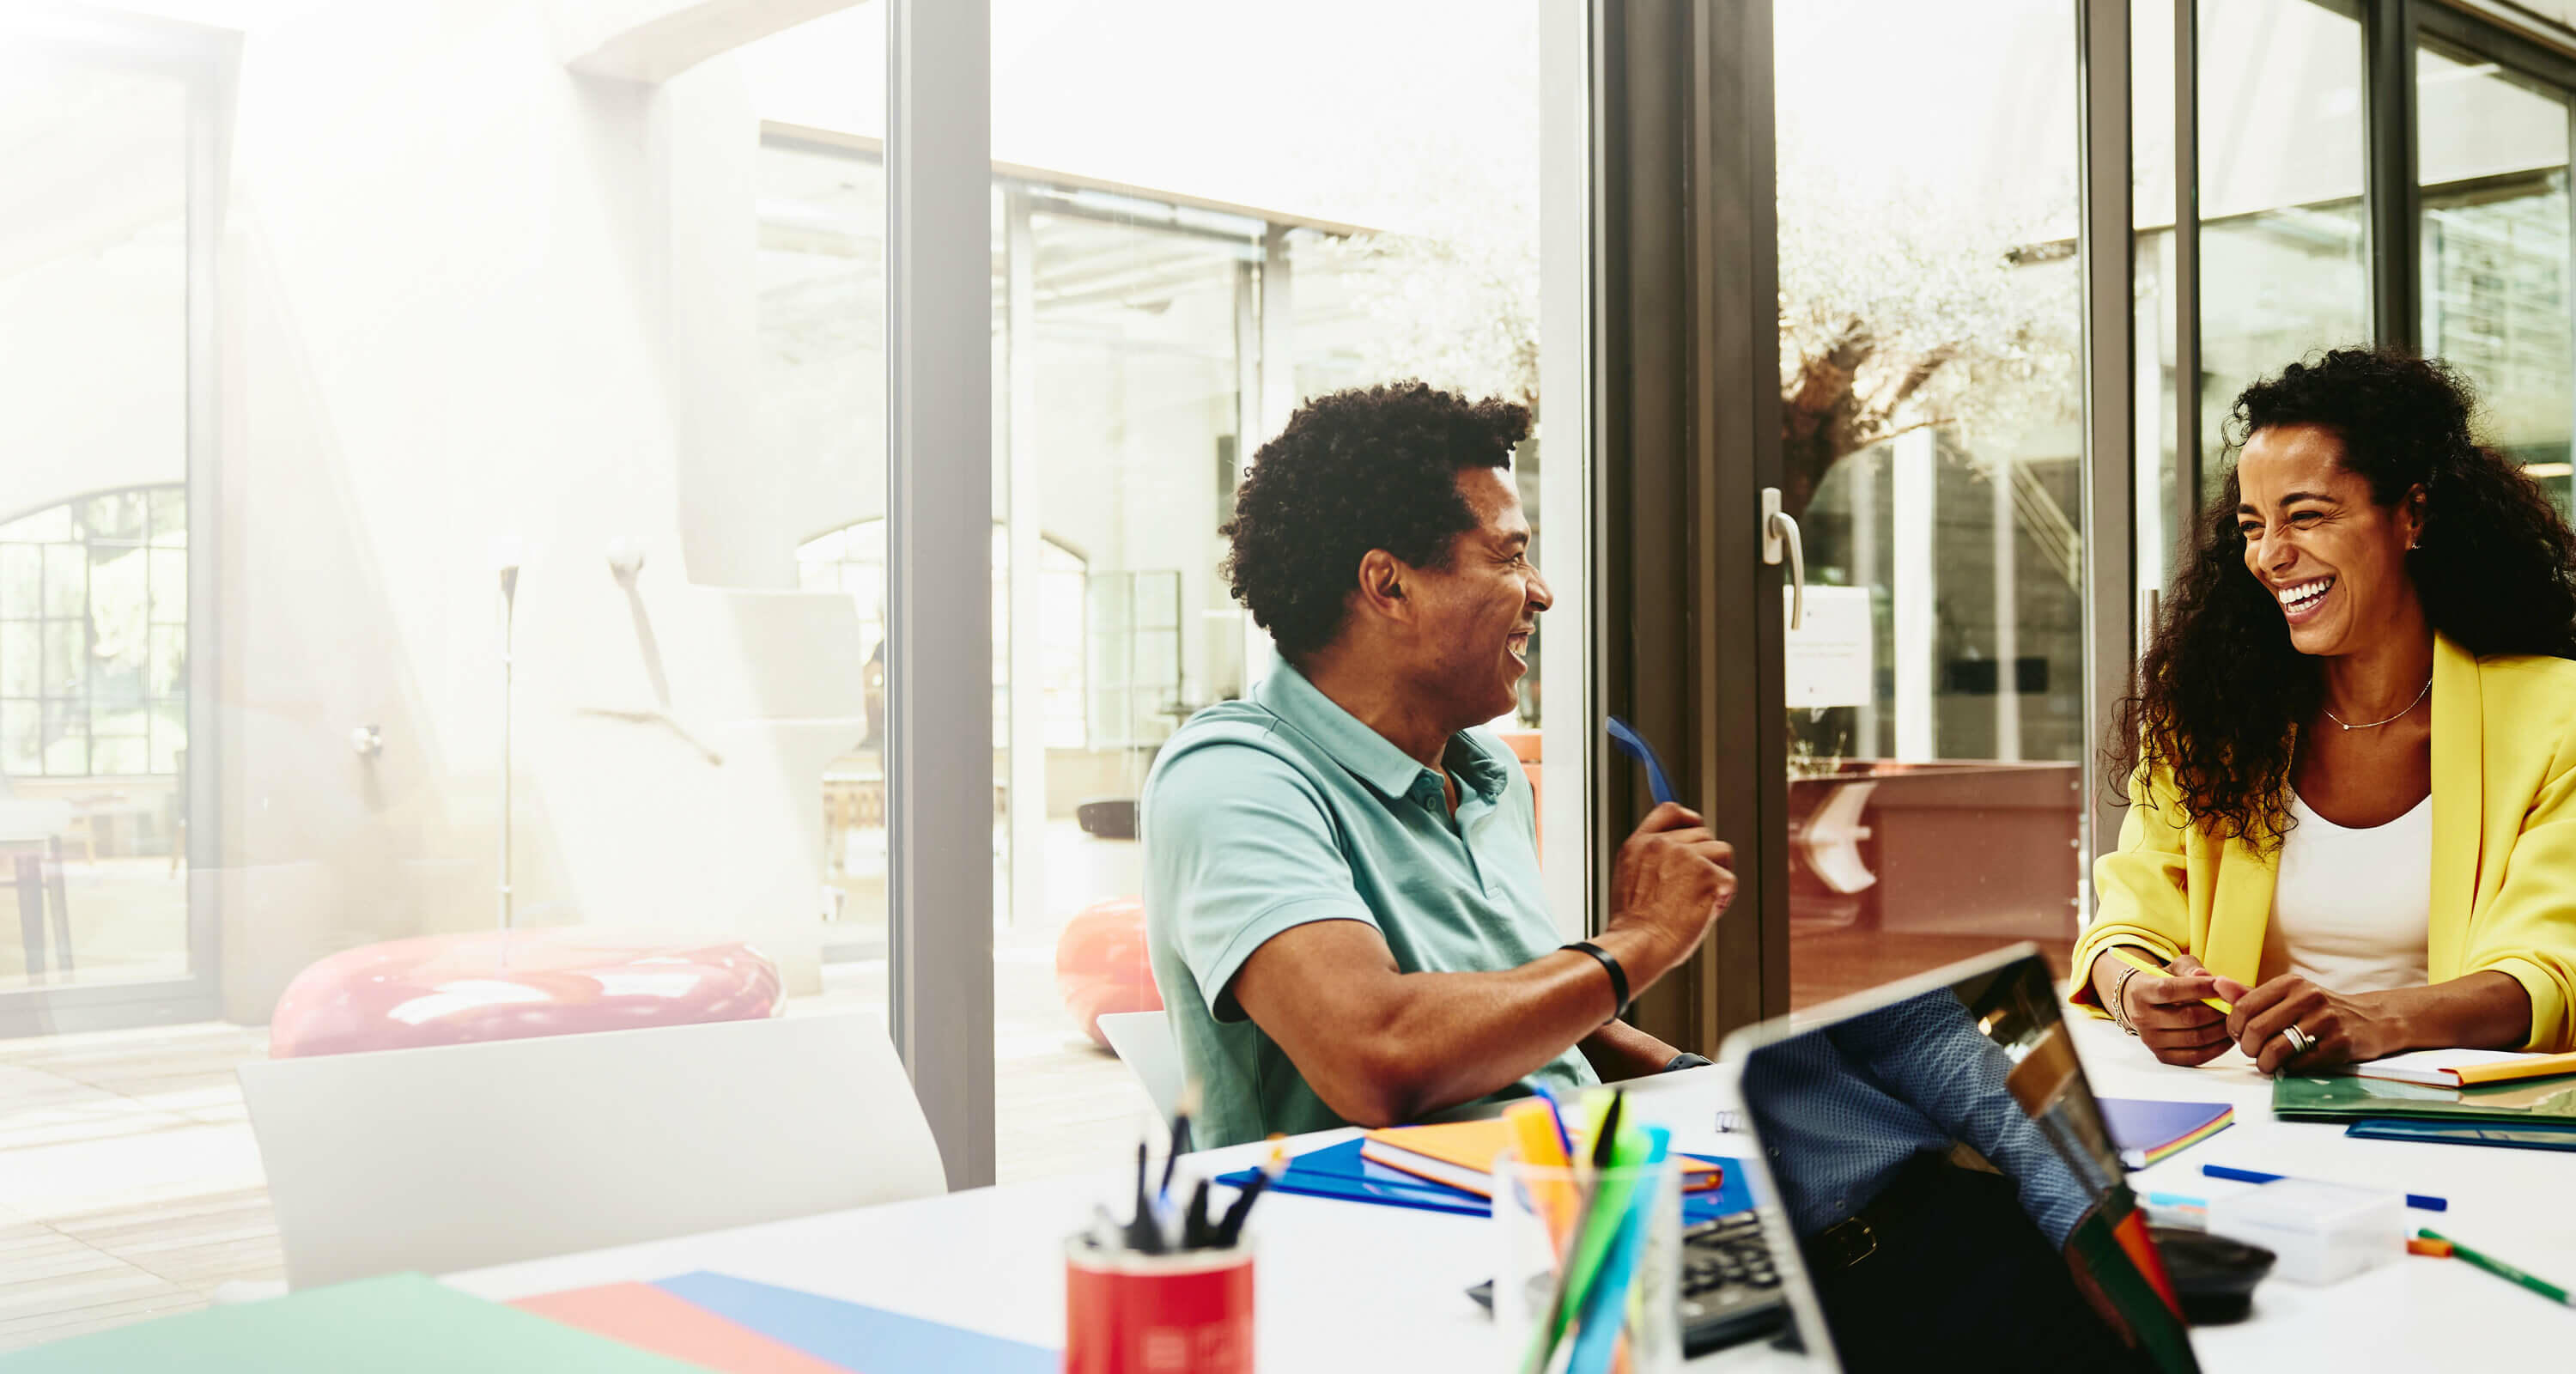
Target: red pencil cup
<point x="1131" y="1313"/>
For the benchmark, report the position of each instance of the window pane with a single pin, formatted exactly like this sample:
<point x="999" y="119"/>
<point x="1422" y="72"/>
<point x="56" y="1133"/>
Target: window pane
<point x="169" y="736"/>
<point x="118" y="757"/>
<point x="2283" y="252"/>
<point x="66" y="740"/>
<point x="168" y="676"/>
<point x="1936" y="730"/>
<point x="66" y="579"/>
<point x="22" y="748"/>
<point x="816" y="172"/>
<point x="169" y="586"/>
<point x="21" y="656"/>
<point x="2492" y="155"/>
<point x="66" y="653"/>
<point x="1138" y="376"/>
<point x="117" y="517"/>
<point x="170" y="516"/>
<point x="22" y="580"/>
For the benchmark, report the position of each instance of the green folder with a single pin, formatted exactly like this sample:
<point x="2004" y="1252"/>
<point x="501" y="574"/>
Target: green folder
<point x="398" y="1324"/>
<point x="2346" y="1097"/>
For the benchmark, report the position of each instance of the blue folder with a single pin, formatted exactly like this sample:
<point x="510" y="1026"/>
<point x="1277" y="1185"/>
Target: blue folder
<point x="1340" y="1171"/>
<point x="2535" y="1135"/>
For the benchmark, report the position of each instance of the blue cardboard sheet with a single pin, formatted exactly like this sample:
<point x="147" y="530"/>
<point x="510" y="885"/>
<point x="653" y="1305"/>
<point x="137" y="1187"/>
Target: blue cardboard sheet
<point x="1340" y="1171"/>
<point x="863" y="1340"/>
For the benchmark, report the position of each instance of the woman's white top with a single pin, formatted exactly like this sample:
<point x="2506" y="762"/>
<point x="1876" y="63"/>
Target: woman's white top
<point x="2352" y="908"/>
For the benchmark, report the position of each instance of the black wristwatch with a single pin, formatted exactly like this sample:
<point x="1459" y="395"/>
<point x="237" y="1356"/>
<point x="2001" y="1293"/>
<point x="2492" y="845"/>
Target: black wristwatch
<point x="1688" y="1060"/>
<point x="1618" y="975"/>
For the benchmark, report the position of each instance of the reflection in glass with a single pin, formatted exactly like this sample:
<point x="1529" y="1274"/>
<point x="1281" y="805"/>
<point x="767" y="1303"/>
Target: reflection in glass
<point x="93" y="521"/>
<point x="1932" y="445"/>
<point x="2284" y="265"/>
<point x="1953" y="1188"/>
<point x="2492" y="158"/>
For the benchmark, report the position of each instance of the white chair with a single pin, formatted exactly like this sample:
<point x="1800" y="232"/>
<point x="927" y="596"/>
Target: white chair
<point x="462" y="1156"/>
<point x="1143" y="1040"/>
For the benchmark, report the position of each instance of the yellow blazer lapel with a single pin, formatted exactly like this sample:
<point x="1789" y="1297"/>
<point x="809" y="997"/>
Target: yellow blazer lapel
<point x="2240" y="910"/>
<point x="2459" y="800"/>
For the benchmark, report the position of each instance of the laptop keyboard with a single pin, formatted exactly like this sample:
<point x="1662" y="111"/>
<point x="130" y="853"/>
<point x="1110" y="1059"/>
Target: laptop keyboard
<point x="1730" y="1292"/>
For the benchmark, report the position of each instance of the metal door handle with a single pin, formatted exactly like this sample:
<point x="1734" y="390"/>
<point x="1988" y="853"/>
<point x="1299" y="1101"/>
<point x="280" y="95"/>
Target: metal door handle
<point x="1780" y="530"/>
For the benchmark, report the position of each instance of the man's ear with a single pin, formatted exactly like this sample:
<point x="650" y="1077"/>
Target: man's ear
<point x="1383" y="585"/>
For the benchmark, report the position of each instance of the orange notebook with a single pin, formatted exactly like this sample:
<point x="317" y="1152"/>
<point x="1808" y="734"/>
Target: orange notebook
<point x="1461" y="1155"/>
<point x="2465" y="1068"/>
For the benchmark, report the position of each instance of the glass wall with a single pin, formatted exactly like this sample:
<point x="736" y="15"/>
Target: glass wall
<point x="94" y="668"/>
<point x="1169" y="289"/>
<point x="1931" y="420"/>
<point x="2284" y="255"/>
<point x="2491" y="154"/>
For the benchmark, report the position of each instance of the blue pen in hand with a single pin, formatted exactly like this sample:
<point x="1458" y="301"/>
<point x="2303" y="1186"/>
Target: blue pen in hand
<point x="1634" y="746"/>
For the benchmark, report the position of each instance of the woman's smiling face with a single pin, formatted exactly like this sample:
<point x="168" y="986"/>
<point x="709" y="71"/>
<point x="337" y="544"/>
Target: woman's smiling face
<point x="2333" y="559"/>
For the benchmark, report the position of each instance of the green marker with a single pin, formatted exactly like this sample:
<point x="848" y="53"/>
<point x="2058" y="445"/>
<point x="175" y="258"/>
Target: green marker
<point x="2503" y="1270"/>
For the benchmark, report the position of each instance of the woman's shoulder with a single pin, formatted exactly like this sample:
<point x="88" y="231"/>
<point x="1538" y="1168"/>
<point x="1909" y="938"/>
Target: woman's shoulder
<point x="2529" y="689"/>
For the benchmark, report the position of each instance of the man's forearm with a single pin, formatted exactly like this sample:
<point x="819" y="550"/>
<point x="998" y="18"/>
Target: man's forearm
<point x="1621" y="1051"/>
<point x="1455" y="1037"/>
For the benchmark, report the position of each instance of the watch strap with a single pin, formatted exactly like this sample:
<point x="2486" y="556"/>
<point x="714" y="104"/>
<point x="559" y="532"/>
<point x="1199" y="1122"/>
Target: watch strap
<point x="1618" y="975"/>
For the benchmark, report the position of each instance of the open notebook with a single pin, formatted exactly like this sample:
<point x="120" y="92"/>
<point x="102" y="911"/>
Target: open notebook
<point x="2465" y="1068"/>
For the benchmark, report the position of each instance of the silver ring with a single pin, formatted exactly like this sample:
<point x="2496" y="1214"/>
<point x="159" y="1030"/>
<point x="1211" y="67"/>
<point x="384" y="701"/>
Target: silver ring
<point x="2300" y="1043"/>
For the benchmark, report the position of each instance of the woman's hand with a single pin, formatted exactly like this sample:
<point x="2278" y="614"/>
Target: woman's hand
<point x="2342" y="1028"/>
<point x="2170" y="1016"/>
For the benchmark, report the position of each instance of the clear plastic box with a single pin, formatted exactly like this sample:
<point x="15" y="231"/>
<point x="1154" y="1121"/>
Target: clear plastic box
<point x="2322" y="1232"/>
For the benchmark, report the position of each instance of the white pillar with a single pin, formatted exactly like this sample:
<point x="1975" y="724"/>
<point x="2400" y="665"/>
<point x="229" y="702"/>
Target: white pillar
<point x="2007" y="613"/>
<point x="1278" y="398"/>
<point x="2155" y="361"/>
<point x="1027" y="731"/>
<point x="1865" y="575"/>
<point x="1910" y="579"/>
<point x="1568" y="729"/>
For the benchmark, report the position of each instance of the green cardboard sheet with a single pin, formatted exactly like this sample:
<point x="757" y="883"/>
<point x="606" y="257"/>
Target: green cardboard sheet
<point x="2349" y="1098"/>
<point x="398" y="1324"/>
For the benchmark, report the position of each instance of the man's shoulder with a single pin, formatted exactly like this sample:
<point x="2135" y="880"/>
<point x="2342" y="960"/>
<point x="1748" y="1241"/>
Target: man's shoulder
<point x="1230" y="748"/>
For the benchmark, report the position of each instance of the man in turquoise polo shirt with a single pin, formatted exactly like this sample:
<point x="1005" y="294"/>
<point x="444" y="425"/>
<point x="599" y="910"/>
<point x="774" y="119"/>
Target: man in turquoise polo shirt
<point x="1342" y="889"/>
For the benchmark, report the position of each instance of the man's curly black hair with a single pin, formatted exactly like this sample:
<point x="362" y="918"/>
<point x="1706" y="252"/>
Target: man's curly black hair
<point x="1368" y="468"/>
<point x="2221" y="688"/>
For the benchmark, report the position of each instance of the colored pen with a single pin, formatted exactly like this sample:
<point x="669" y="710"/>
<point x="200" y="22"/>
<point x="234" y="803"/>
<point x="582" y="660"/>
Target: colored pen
<point x="2502" y="1270"/>
<point x="2146" y="965"/>
<point x="1229" y="1228"/>
<point x="2419" y="1201"/>
<point x="1634" y="746"/>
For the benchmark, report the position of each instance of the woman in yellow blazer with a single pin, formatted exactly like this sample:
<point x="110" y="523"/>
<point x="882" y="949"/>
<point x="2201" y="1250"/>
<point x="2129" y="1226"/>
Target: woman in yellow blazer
<point x="2352" y="757"/>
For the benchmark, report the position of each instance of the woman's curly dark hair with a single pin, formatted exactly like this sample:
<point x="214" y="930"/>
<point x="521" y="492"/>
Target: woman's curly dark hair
<point x="2221" y="690"/>
<point x="1368" y="468"/>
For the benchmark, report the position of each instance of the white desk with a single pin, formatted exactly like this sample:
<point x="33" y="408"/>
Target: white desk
<point x="1355" y="1289"/>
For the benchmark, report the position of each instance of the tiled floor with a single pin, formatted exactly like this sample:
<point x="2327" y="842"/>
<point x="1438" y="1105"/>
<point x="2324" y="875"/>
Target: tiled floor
<point x="130" y="1185"/>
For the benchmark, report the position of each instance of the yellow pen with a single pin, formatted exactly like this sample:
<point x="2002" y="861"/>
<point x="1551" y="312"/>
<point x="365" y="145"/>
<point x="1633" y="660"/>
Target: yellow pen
<point x="2144" y="964"/>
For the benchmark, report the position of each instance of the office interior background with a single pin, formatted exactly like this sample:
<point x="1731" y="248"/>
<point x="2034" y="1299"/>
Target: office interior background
<point x="858" y="572"/>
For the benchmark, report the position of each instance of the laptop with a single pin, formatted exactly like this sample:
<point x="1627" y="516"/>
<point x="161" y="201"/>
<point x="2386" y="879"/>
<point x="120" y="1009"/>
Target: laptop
<point x="1937" y="1187"/>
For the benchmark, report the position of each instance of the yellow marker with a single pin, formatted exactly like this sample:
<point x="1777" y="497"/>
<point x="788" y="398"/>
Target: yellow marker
<point x="2144" y="964"/>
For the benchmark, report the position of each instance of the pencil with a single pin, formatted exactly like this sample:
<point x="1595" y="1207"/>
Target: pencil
<point x="2144" y="964"/>
<point x="2501" y="1269"/>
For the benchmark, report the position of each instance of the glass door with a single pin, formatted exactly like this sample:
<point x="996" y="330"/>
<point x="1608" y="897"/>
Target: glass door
<point x="1933" y="453"/>
<point x="2491" y="172"/>
<point x="103" y="380"/>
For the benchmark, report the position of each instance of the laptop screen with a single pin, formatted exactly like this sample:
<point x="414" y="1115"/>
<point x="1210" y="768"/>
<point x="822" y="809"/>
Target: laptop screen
<point x="1953" y="1197"/>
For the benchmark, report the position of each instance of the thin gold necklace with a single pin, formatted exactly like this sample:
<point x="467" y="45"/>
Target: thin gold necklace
<point x="2375" y="724"/>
